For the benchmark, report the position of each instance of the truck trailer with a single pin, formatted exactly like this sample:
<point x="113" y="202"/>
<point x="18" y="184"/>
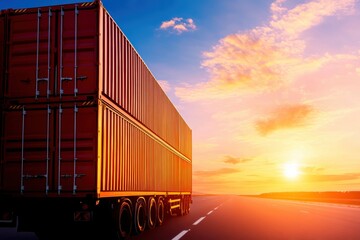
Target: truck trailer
<point x="89" y="140"/>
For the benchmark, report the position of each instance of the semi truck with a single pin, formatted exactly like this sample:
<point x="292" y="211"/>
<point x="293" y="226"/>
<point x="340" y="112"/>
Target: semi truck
<point x="89" y="140"/>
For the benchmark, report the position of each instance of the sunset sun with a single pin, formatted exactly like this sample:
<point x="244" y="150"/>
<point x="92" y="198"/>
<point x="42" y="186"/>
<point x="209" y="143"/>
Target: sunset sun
<point x="291" y="170"/>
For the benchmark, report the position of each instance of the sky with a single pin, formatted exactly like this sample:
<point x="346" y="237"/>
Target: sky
<point x="270" y="89"/>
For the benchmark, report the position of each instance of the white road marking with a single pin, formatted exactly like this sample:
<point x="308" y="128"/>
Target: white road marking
<point x="180" y="235"/>
<point x="198" y="221"/>
<point x="217" y="207"/>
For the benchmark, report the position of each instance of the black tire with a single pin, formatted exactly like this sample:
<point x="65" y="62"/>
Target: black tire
<point x="124" y="220"/>
<point x="140" y="216"/>
<point x="152" y="213"/>
<point x="160" y="211"/>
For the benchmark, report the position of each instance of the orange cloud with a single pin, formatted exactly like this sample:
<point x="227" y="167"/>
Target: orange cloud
<point x="212" y="173"/>
<point x="332" y="177"/>
<point x="233" y="160"/>
<point x="245" y="60"/>
<point x="179" y="25"/>
<point x="267" y="56"/>
<point x="304" y="16"/>
<point x="291" y="116"/>
<point x="311" y="169"/>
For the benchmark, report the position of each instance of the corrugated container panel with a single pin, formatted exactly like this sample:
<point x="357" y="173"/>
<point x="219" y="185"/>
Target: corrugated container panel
<point x="123" y="70"/>
<point x="139" y="90"/>
<point x="144" y="163"/>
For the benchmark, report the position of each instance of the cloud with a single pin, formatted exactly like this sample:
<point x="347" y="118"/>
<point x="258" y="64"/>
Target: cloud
<point x="285" y="117"/>
<point x="179" y="25"/>
<point x="233" y="160"/>
<point x="332" y="177"/>
<point x="212" y="173"/>
<point x="304" y="16"/>
<point x="310" y="169"/>
<point x="265" y="57"/>
<point x="164" y="85"/>
<point x="357" y="71"/>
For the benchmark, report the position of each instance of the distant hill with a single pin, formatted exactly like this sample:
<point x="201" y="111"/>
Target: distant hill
<point x="344" y="197"/>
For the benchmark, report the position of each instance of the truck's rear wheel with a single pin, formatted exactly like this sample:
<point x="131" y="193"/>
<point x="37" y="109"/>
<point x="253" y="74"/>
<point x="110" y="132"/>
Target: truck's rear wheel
<point x="125" y="218"/>
<point x="160" y="211"/>
<point x="140" y="216"/>
<point x="152" y="213"/>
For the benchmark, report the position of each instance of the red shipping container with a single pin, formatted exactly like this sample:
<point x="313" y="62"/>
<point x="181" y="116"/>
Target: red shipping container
<point x="87" y="133"/>
<point x="83" y="111"/>
<point x="54" y="56"/>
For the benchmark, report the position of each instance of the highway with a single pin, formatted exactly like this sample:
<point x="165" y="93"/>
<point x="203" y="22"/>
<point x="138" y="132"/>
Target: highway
<point x="237" y="217"/>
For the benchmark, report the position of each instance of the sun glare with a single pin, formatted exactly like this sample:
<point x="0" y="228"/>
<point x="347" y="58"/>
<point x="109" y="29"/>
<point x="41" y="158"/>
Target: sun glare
<point x="291" y="170"/>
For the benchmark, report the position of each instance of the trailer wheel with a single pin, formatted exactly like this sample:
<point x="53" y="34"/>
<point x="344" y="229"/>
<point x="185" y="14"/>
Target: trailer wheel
<point x="124" y="219"/>
<point x="160" y="211"/>
<point x="140" y="216"/>
<point x="152" y="213"/>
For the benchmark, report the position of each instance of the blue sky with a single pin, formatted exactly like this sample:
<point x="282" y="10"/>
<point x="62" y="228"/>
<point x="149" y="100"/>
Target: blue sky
<point x="263" y="84"/>
<point x="169" y="55"/>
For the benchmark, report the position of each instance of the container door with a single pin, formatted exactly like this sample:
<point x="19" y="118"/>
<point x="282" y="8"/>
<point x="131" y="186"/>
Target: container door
<point x="28" y="149"/>
<point x="77" y="44"/>
<point x="50" y="136"/>
<point x="75" y="153"/>
<point x="76" y="125"/>
<point x="52" y="51"/>
<point x="50" y="149"/>
<point x="31" y="52"/>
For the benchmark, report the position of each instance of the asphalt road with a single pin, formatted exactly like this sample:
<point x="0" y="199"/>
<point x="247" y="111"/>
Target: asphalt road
<point x="236" y="217"/>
